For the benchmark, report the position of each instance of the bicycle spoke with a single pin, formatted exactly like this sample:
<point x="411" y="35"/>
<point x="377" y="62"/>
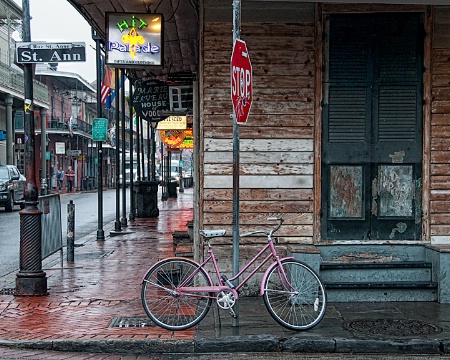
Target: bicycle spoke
<point x="294" y="295"/>
<point x="161" y="300"/>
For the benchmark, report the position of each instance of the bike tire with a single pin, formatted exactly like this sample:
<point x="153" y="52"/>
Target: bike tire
<point x="300" y="308"/>
<point x="163" y="306"/>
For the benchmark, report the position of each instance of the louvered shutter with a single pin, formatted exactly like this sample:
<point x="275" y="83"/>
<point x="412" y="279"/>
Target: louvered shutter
<point x="372" y="126"/>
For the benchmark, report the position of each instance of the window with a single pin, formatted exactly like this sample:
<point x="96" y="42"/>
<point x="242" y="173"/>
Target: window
<point x="181" y="98"/>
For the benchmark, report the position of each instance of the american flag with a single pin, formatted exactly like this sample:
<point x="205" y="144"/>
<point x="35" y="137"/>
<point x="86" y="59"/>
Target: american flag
<point x="106" y="85"/>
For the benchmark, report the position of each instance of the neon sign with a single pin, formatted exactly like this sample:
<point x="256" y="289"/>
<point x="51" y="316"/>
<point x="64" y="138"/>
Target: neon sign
<point x="134" y="39"/>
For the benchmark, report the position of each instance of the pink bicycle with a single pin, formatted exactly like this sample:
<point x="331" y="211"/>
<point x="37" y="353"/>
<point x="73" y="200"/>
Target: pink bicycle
<point x="177" y="292"/>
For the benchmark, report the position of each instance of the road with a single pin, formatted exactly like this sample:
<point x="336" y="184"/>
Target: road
<point x="86" y="221"/>
<point x="14" y="354"/>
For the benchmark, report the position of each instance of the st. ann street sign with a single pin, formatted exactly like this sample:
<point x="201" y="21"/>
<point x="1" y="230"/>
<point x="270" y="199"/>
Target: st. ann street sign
<point x="43" y="52"/>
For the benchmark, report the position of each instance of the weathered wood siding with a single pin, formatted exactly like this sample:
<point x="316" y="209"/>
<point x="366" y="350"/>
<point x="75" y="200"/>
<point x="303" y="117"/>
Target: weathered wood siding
<point x="440" y="129"/>
<point x="276" y="144"/>
<point x="277" y="148"/>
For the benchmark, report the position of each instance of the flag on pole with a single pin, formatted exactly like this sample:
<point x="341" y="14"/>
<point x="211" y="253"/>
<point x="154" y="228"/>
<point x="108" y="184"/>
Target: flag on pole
<point x="106" y="85"/>
<point x="113" y="88"/>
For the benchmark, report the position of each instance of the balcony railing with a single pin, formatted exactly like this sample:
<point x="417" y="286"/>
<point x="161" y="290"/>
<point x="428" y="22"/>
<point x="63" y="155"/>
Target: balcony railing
<point x="14" y="80"/>
<point x="57" y="125"/>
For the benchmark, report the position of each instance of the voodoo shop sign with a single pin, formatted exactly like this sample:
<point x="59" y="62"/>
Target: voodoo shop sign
<point x="150" y="98"/>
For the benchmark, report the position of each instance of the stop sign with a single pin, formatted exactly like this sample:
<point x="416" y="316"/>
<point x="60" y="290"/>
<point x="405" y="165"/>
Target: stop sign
<point x="241" y="81"/>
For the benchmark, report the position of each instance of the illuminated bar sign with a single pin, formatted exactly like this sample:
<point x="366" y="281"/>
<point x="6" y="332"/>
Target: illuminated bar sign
<point x="134" y="39"/>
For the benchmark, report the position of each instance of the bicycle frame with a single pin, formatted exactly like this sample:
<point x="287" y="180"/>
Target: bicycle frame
<point x="184" y="290"/>
<point x="177" y="293"/>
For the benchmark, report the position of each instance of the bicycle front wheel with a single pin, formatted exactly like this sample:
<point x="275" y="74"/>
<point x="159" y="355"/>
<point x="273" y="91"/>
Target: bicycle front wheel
<point x="163" y="306"/>
<point x="294" y="295"/>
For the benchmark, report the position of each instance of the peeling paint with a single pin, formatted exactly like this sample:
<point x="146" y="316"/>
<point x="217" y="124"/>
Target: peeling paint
<point x="397" y="157"/>
<point x="368" y="257"/>
<point x="401" y="228"/>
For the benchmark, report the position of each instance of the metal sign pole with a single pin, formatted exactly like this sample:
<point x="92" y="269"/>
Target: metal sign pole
<point x="100" y="231"/>
<point x="236" y="35"/>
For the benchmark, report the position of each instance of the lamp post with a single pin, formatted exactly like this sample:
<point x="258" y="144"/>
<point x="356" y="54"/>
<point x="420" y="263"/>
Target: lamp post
<point x="30" y="280"/>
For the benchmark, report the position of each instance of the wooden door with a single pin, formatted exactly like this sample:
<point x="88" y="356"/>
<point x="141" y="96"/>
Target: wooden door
<point x="372" y="127"/>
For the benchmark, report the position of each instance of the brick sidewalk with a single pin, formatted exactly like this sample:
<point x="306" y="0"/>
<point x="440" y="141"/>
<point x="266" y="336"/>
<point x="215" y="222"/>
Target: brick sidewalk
<point x="103" y="283"/>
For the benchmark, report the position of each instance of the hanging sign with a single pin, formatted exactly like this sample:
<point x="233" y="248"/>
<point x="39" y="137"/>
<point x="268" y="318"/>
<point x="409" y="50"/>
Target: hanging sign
<point x="149" y="98"/>
<point x="134" y="39"/>
<point x="188" y="142"/>
<point x="173" y="123"/>
<point x="172" y="137"/>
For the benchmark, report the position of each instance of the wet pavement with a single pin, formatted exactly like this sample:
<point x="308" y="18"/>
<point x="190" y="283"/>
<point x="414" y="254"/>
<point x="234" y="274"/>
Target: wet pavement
<point x="94" y="306"/>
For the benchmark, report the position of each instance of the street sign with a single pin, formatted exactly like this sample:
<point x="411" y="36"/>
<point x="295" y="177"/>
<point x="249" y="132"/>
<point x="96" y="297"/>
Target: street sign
<point x="241" y="81"/>
<point x="60" y="148"/>
<point x="73" y="152"/>
<point x="43" y="52"/>
<point x="99" y="129"/>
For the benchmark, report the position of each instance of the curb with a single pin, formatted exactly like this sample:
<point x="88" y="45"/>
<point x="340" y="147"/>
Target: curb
<point x="238" y="344"/>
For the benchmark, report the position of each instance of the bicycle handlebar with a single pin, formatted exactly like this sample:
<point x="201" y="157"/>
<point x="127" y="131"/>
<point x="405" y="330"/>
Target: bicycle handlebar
<point x="268" y="233"/>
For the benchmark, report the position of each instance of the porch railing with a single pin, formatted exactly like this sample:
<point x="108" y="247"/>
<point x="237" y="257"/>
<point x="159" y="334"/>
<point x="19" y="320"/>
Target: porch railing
<point x="14" y="80"/>
<point x="76" y="125"/>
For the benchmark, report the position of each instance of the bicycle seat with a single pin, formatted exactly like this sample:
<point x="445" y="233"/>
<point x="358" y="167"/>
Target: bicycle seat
<point x="212" y="233"/>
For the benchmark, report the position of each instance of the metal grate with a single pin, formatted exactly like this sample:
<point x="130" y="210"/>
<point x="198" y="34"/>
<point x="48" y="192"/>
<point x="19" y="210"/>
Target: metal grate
<point x="127" y="321"/>
<point x="393" y="327"/>
<point x="7" y="291"/>
<point x="93" y="255"/>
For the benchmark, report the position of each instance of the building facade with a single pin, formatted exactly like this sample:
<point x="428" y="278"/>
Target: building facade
<point x="347" y="140"/>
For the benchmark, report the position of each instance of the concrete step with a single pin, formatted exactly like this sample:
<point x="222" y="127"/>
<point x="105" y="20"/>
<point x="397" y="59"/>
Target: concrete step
<point x="379" y="281"/>
<point x="385" y="293"/>
<point x="369" y="272"/>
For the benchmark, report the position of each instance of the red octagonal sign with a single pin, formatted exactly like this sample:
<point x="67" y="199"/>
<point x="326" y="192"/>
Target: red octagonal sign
<point x="241" y="81"/>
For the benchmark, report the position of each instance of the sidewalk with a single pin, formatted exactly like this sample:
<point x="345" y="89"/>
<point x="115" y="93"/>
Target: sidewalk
<point x="94" y="306"/>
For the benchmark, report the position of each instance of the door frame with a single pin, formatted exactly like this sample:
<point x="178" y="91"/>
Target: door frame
<point x="321" y="11"/>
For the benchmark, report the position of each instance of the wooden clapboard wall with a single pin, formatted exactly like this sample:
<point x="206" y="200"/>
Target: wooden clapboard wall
<point x="440" y="128"/>
<point x="276" y="144"/>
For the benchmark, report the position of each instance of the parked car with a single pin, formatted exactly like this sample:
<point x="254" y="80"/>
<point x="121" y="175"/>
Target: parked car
<point x="12" y="185"/>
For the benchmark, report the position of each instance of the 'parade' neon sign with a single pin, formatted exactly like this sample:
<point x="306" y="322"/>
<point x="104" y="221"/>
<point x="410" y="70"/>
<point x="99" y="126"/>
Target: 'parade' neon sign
<point x="134" y="39"/>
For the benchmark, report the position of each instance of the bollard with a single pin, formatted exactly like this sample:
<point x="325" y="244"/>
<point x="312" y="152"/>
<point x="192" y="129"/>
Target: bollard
<point x="70" y="230"/>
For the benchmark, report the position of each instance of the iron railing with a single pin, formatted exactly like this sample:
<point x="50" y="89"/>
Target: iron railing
<point x="14" y="80"/>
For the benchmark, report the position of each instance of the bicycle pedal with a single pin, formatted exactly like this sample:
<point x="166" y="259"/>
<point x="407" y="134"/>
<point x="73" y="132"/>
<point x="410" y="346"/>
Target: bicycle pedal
<point x="233" y="314"/>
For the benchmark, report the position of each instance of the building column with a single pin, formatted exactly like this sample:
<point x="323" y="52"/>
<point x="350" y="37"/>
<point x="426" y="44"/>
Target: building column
<point x="9" y="130"/>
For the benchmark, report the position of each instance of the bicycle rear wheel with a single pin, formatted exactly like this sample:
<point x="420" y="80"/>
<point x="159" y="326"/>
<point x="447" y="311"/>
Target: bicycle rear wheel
<point x="296" y="301"/>
<point x="163" y="306"/>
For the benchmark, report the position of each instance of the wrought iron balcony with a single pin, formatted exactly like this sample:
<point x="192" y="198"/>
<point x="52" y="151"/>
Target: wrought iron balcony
<point x="56" y="125"/>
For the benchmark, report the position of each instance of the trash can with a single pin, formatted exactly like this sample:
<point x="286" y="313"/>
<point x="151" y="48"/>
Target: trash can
<point x="188" y="182"/>
<point x="146" y="198"/>
<point x="85" y="183"/>
<point x="172" y="189"/>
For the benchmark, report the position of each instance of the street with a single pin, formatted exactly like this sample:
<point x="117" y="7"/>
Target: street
<point x="9" y="354"/>
<point x="86" y="221"/>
